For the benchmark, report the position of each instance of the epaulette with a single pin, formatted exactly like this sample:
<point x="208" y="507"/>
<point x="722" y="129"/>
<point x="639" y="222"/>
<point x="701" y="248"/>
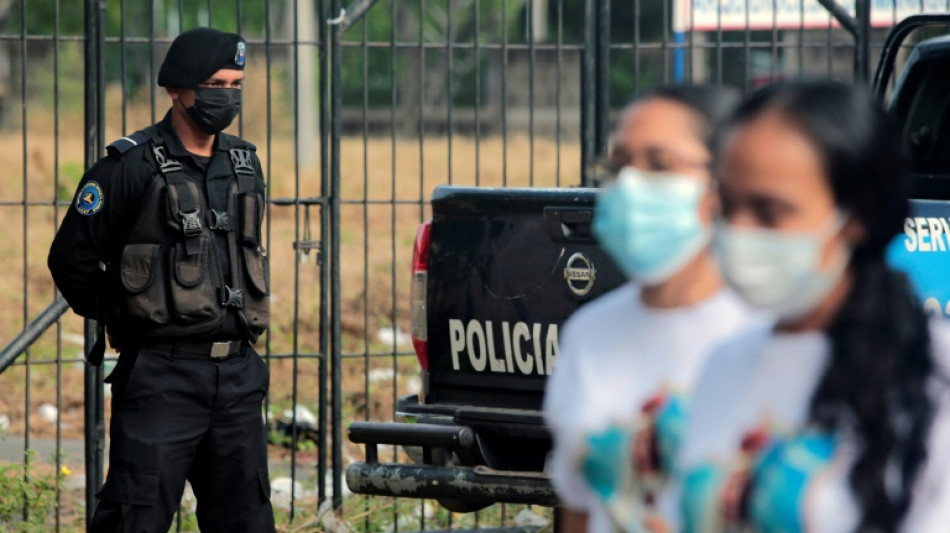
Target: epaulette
<point x="236" y="142"/>
<point x="125" y="144"/>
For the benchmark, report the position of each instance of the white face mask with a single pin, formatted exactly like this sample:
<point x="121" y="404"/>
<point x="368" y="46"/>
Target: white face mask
<point x="779" y="271"/>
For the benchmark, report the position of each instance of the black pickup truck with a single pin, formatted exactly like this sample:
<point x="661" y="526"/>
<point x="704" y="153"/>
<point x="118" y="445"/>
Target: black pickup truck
<point x="496" y="271"/>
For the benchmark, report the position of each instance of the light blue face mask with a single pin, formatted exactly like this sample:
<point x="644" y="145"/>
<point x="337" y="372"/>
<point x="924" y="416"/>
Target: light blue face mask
<point x="649" y="223"/>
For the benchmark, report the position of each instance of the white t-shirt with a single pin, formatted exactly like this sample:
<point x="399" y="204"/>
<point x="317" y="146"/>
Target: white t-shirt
<point x="615" y="353"/>
<point x="761" y="382"/>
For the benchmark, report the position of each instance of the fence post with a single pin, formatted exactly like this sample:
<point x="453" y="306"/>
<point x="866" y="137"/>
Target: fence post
<point x="93" y="409"/>
<point x="325" y="264"/>
<point x="336" y="96"/>
<point x="602" y="68"/>
<point x="862" y="40"/>
<point x="595" y="87"/>
<point x="588" y="92"/>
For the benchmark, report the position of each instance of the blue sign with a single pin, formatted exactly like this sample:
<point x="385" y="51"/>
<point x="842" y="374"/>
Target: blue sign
<point x="923" y="252"/>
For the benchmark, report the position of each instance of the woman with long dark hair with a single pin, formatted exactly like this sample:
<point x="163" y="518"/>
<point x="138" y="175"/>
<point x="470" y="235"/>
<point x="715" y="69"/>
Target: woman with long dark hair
<point x="644" y="342"/>
<point x="832" y="420"/>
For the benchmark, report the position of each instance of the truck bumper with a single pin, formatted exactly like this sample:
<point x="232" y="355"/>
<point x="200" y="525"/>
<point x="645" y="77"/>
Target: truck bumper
<point x="478" y="484"/>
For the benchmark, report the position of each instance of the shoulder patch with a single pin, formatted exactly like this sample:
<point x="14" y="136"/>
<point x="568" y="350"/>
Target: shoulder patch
<point x="89" y="200"/>
<point x="126" y="143"/>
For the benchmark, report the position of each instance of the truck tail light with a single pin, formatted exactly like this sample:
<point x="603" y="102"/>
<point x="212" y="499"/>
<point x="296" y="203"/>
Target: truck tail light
<point x="420" y="277"/>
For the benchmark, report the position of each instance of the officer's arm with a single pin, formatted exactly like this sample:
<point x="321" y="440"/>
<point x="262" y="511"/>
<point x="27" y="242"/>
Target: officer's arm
<point x="97" y="211"/>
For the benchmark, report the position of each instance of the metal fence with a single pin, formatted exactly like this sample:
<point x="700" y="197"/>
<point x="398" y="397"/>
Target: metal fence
<point x="358" y="114"/>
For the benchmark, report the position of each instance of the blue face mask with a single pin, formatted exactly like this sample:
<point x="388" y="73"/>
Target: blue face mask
<point x="649" y="223"/>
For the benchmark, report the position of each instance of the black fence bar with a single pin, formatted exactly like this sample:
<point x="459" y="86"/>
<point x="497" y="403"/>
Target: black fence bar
<point x="294" y="398"/>
<point x="59" y="337"/>
<point x="336" y="100"/>
<point x="393" y="101"/>
<point x="98" y="396"/>
<point x="91" y="374"/>
<point x="37" y="327"/>
<point x="269" y="181"/>
<point x="355" y="12"/>
<point x="588" y="94"/>
<point x="862" y="40"/>
<point x="602" y="80"/>
<point x="841" y="15"/>
<point x="26" y="229"/>
<point x="325" y="236"/>
<point x="505" y="48"/>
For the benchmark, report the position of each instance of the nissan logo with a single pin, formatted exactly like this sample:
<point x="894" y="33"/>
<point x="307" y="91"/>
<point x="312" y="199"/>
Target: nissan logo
<point x="580" y="274"/>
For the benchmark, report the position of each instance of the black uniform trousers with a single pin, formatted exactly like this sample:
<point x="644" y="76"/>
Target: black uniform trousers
<point x="178" y="416"/>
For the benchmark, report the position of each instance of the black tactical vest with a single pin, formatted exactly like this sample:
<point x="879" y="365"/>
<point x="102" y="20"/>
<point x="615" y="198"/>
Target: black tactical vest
<point x="171" y="283"/>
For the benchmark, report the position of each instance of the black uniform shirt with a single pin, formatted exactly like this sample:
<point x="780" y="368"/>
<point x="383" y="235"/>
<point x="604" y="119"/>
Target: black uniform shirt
<point x="85" y="240"/>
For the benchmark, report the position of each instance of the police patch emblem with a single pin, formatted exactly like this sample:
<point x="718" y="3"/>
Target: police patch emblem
<point x="89" y="199"/>
<point x="239" y="54"/>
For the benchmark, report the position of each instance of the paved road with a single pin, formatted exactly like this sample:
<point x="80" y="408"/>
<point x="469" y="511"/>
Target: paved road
<point x="11" y="450"/>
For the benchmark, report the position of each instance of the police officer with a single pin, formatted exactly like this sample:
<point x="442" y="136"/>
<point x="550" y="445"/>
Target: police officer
<point x="163" y="246"/>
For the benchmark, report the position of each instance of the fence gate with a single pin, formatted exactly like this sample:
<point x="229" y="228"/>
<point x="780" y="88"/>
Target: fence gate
<point x="359" y="109"/>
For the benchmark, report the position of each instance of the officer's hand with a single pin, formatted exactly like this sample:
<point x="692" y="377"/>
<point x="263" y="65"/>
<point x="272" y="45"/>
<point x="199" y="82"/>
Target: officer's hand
<point x="113" y="344"/>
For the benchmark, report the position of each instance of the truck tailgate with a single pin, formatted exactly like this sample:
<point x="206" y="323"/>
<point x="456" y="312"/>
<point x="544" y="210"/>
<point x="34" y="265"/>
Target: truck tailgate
<point x="506" y="268"/>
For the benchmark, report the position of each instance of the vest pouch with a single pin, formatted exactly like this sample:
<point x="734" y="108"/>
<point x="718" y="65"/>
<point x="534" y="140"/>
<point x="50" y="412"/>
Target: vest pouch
<point x="251" y="207"/>
<point x="142" y="275"/>
<point x="193" y="284"/>
<point x="257" y="295"/>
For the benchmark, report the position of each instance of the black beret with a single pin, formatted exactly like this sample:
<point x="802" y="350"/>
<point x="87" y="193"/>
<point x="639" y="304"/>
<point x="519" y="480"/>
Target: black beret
<point x="197" y="54"/>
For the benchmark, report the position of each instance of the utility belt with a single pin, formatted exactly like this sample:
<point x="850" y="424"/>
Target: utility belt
<point x="214" y="350"/>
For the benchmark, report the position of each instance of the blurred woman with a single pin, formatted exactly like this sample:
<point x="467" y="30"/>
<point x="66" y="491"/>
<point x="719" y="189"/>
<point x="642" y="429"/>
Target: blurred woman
<point x="833" y="420"/>
<point x="635" y="349"/>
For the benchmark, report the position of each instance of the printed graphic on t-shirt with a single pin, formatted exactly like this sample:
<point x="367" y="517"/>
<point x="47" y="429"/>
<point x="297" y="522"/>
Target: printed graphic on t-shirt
<point x="763" y="488"/>
<point x="626" y="466"/>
